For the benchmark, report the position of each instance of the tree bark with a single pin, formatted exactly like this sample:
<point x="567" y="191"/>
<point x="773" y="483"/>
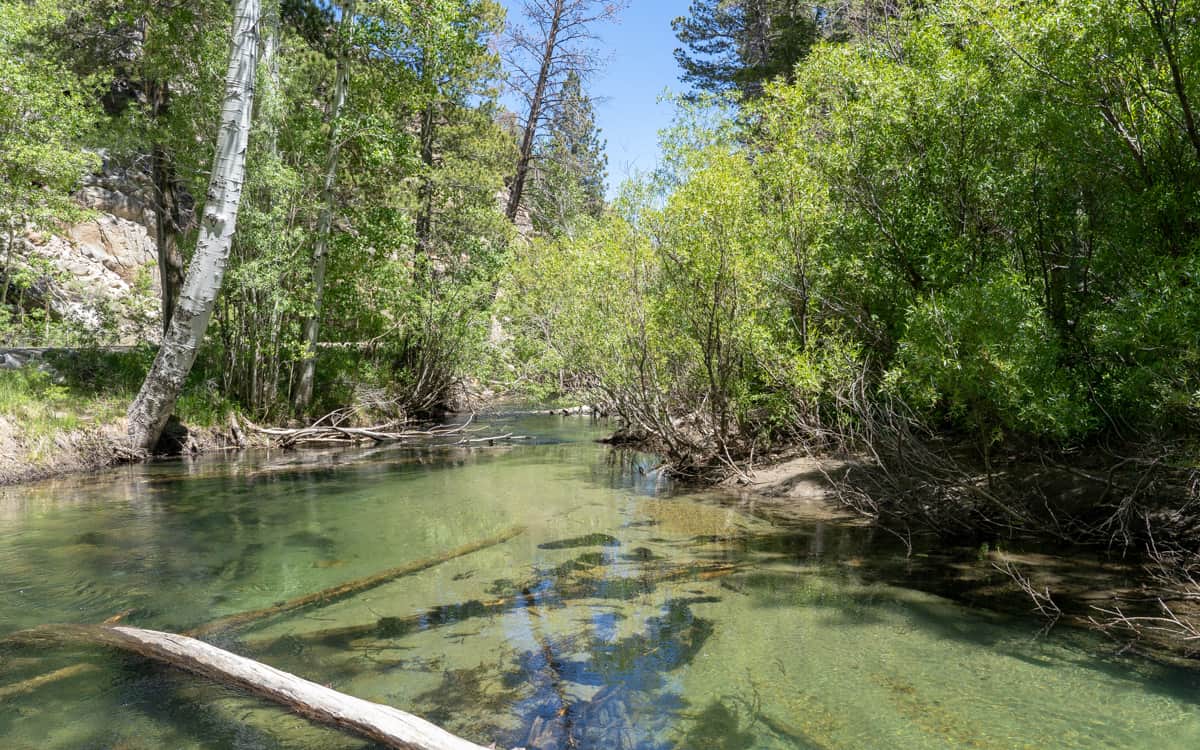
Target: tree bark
<point x="425" y="196"/>
<point x="168" y="217"/>
<point x="168" y="223"/>
<point x="535" y="112"/>
<point x="302" y="396"/>
<point x="156" y="400"/>
<point x="383" y="724"/>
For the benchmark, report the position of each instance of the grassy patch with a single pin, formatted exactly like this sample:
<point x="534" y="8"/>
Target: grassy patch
<point x="41" y="405"/>
<point x="78" y="390"/>
<point x="101" y="378"/>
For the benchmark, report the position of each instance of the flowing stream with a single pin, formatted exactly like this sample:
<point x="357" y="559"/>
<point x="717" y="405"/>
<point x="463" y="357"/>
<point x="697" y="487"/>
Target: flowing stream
<point x="627" y="615"/>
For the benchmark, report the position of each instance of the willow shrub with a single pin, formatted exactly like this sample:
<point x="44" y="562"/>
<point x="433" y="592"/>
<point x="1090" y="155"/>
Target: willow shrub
<point x="956" y="214"/>
<point x="983" y="355"/>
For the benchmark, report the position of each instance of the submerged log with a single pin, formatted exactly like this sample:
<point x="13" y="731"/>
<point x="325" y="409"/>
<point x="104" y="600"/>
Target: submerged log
<point x="258" y="616"/>
<point x="49" y="678"/>
<point x="383" y="724"/>
<point x="351" y="588"/>
<point x="387" y="628"/>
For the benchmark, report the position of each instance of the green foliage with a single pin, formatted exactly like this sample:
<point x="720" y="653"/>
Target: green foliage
<point x="417" y="233"/>
<point x="87" y="389"/>
<point x="740" y="45"/>
<point x="569" y="173"/>
<point x="986" y="354"/>
<point x="989" y="214"/>
<point x="45" y="115"/>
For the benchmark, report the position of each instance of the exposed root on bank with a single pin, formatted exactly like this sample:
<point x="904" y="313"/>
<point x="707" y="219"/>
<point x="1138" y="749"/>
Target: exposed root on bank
<point x="881" y="460"/>
<point x="1175" y="616"/>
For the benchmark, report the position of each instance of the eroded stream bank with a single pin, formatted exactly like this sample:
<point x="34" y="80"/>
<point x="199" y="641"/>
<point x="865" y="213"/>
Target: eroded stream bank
<point x="627" y="615"/>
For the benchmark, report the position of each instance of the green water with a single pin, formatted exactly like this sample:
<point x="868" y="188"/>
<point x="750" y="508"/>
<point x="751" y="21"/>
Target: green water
<point x="613" y="621"/>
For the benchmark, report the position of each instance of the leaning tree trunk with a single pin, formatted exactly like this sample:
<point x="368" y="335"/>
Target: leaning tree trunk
<point x="525" y="157"/>
<point x="150" y="410"/>
<point x="302" y="395"/>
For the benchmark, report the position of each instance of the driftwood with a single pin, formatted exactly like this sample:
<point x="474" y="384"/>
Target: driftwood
<point x="383" y="724"/>
<point x="450" y="614"/>
<point x="352" y="588"/>
<point x="566" y="411"/>
<point x="329" y="430"/>
<point x="243" y="619"/>
<point x="492" y="439"/>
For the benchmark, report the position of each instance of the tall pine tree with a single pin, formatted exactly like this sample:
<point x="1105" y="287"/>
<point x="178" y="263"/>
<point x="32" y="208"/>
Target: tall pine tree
<point x="570" y="165"/>
<point x="739" y="45"/>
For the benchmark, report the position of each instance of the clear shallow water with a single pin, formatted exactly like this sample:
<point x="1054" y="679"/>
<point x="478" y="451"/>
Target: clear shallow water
<point x="614" y="621"/>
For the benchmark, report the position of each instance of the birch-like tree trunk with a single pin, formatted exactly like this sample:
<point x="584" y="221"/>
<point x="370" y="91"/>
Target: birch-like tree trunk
<point x="155" y="401"/>
<point x="302" y="395"/>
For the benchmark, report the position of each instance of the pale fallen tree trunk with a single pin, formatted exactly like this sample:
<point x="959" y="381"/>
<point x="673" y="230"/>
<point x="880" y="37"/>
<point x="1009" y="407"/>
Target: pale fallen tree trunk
<point x="156" y="400"/>
<point x="388" y="726"/>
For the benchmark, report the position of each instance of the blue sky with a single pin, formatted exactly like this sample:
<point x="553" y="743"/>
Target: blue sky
<point x="639" y="67"/>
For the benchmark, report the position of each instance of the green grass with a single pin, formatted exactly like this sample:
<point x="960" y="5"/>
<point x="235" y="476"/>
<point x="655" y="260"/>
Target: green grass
<point x="87" y="389"/>
<point x="41" y="405"/>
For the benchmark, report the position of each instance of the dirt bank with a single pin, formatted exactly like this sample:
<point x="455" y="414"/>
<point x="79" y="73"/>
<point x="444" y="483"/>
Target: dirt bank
<point x="1146" y="601"/>
<point x="794" y="487"/>
<point x="28" y="457"/>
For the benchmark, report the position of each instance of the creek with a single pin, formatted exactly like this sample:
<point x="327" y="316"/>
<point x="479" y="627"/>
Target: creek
<point x="628" y="614"/>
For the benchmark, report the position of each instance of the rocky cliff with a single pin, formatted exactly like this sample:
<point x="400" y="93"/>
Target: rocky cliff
<point x="99" y="276"/>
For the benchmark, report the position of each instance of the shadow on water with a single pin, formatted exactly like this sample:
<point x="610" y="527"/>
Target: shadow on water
<point x="606" y="687"/>
<point x="584" y="690"/>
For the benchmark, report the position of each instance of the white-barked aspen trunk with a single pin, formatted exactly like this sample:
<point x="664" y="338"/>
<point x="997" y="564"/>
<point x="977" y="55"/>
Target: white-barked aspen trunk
<point x="155" y="401"/>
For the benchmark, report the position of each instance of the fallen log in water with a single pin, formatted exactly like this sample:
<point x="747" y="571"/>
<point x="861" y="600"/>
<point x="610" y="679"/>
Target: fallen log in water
<point x="49" y="678"/>
<point x="309" y="601"/>
<point x="449" y="614"/>
<point x="351" y="588"/>
<point x="383" y="724"/>
<point x="329" y="430"/>
<point x="566" y="411"/>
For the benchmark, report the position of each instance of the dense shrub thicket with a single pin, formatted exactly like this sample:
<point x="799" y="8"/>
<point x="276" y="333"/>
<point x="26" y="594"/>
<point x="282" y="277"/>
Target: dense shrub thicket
<point x="983" y="217"/>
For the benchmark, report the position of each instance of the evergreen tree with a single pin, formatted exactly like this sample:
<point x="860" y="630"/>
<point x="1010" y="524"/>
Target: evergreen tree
<point x="738" y="45"/>
<point x="570" y="164"/>
<point x="541" y="57"/>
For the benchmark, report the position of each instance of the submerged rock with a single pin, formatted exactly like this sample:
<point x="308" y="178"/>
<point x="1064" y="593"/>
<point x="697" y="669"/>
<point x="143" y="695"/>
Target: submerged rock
<point x="588" y="540"/>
